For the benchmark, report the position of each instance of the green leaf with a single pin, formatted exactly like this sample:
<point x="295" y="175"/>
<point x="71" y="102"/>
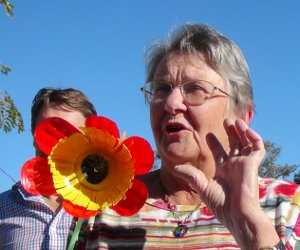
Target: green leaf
<point x="269" y="168"/>
<point x="10" y="117"/>
<point x="4" y="69"/>
<point x="8" y="7"/>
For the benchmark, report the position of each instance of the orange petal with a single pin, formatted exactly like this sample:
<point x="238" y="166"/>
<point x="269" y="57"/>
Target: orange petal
<point x="141" y="152"/>
<point x="50" y="131"/>
<point x="36" y="177"/>
<point x="78" y="211"/>
<point x="103" y="123"/>
<point x="135" y="199"/>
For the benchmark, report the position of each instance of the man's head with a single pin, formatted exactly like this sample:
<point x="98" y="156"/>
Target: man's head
<point x="69" y="104"/>
<point x="64" y="99"/>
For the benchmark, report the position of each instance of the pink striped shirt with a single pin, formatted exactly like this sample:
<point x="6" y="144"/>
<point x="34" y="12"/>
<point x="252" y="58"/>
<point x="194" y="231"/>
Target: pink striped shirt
<point x="152" y="227"/>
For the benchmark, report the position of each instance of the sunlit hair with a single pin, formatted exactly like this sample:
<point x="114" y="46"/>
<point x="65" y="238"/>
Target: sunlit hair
<point x="69" y="99"/>
<point x="223" y="55"/>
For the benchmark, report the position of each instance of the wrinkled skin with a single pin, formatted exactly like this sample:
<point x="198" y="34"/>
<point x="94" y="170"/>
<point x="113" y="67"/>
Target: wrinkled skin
<point x="212" y="149"/>
<point x="232" y="195"/>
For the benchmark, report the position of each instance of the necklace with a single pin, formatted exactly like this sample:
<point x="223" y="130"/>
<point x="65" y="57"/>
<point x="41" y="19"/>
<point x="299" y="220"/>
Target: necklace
<point x="181" y="229"/>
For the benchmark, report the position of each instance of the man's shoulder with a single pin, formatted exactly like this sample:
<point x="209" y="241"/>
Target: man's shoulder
<point x="6" y="194"/>
<point x="7" y="198"/>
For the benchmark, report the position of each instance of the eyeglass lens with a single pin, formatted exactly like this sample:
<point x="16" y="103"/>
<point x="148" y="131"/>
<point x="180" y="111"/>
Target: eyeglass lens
<point x="193" y="92"/>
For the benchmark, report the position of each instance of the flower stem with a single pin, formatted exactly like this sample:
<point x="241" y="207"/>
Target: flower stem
<point x="75" y="234"/>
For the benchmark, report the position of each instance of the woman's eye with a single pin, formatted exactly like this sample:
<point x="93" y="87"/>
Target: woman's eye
<point x="162" y="89"/>
<point x="194" y="88"/>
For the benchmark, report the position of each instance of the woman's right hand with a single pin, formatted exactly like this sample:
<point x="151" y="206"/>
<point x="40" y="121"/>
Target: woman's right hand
<point x="232" y="195"/>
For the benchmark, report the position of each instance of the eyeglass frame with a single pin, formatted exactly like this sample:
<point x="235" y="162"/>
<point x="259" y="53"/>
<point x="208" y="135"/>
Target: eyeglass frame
<point x="184" y="95"/>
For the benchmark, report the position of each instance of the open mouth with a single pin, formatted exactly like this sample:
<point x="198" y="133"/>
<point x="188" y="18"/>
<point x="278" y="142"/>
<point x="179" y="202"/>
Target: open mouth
<point x="173" y="128"/>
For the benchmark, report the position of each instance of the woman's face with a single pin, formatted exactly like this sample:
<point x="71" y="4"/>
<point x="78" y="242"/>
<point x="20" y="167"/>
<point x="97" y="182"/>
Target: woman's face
<point x="180" y="129"/>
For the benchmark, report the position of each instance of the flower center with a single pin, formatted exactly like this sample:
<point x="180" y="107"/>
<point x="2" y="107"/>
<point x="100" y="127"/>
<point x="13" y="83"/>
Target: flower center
<point x="94" y="168"/>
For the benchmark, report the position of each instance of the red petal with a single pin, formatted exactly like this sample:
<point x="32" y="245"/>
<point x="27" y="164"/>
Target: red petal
<point x="50" y="131"/>
<point x="135" y="199"/>
<point x="36" y="177"/>
<point x="141" y="152"/>
<point x="78" y="211"/>
<point x="103" y="123"/>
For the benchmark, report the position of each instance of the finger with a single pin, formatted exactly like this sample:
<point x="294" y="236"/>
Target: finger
<point x="193" y="177"/>
<point x="255" y="139"/>
<point x="233" y="137"/>
<point x="219" y="154"/>
<point x="242" y="127"/>
<point x="250" y="137"/>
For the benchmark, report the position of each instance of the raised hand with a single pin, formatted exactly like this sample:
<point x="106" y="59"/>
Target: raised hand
<point x="232" y="195"/>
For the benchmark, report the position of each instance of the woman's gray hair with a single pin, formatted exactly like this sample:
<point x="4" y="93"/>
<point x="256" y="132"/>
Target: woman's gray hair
<point x="223" y="55"/>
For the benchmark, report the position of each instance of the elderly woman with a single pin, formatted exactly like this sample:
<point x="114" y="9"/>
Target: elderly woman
<point x="206" y="194"/>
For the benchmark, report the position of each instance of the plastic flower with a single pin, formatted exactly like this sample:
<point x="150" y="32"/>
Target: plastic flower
<point x="90" y="167"/>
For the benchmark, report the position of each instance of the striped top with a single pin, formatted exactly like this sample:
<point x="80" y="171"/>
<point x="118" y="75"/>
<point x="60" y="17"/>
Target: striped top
<point x="152" y="227"/>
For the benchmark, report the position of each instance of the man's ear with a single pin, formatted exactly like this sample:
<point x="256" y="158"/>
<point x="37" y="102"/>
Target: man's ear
<point x="248" y="115"/>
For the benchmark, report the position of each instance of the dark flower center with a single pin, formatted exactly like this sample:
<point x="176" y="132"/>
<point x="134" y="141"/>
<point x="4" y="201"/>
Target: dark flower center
<point x="94" y="168"/>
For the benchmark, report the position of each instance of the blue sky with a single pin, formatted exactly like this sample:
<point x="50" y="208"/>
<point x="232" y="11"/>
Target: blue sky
<point x="97" y="47"/>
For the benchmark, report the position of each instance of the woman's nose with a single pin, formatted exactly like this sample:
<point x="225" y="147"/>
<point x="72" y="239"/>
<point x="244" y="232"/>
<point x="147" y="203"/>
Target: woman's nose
<point x="175" y="101"/>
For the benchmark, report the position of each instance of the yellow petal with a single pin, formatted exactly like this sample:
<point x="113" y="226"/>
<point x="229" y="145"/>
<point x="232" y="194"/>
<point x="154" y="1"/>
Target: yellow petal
<point x="72" y="184"/>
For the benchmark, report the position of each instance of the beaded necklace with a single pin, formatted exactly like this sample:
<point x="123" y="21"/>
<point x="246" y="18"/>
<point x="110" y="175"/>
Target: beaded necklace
<point x="181" y="229"/>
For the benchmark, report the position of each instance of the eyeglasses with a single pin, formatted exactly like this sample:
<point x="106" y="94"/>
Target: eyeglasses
<point x="193" y="92"/>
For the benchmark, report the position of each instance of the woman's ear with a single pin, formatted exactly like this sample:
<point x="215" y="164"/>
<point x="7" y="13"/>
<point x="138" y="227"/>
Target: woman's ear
<point x="248" y="115"/>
